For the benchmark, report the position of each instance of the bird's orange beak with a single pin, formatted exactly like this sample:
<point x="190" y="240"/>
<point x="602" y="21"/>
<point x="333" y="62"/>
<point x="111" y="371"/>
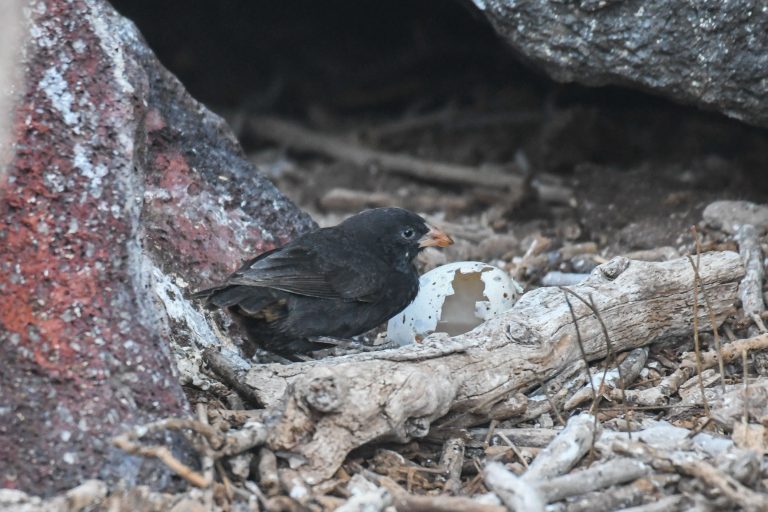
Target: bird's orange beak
<point x="435" y="237"/>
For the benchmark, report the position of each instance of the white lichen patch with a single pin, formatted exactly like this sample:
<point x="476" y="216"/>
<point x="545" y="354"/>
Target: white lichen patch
<point x="110" y="43"/>
<point x="189" y="322"/>
<point x="94" y="173"/>
<point x="56" y="89"/>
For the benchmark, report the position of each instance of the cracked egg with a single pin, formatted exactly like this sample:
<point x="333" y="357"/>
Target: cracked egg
<point x="454" y="299"/>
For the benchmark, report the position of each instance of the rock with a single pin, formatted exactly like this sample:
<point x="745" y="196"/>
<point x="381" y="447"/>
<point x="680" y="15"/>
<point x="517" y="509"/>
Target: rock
<point x="729" y="215"/>
<point x="123" y="193"/>
<point x="713" y="54"/>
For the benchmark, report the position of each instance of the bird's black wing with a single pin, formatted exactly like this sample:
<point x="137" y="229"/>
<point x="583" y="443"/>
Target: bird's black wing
<point x="323" y="267"/>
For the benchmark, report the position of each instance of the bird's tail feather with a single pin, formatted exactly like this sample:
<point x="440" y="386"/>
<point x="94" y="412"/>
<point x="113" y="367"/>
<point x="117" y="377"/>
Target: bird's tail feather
<point x="223" y="296"/>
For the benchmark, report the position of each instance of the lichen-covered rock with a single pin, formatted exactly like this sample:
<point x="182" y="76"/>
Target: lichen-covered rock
<point x="122" y="192"/>
<point x="710" y="53"/>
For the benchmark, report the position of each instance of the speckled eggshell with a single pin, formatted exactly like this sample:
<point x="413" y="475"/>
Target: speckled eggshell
<point x="483" y="291"/>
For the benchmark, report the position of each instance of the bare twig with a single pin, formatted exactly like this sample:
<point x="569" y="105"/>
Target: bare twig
<point x="710" y="311"/>
<point x="751" y="287"/>
<point x="268" y="478"/>
<point x="206" y="462"/>
<point x="693" y="465"/>
<point x="581" y="345"/>
<point x="745" y="365"/>
<point x="304" y="139"/>
<point x="406" y="502"/>
<point x="516" y="493"/>
<point x="231" y="372"/>
<point x="166" y="457"/>
<point x="565" y="450"/>
<point x="514" y="449"/>
<point x="452" y="460"/>
<point x="665" y="504"/>
<point x="598" y="476"/>
<point x="696" y="341"/>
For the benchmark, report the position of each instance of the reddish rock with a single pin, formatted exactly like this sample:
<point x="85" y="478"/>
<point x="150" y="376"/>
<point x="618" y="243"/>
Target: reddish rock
<point x="123" y="190"/>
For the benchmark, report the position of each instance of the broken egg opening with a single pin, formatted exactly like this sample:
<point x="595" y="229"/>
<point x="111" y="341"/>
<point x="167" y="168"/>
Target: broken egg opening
<point x="454" y="298"/>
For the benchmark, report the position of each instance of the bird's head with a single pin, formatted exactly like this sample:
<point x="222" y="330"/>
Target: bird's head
<point x="396" y="233"/>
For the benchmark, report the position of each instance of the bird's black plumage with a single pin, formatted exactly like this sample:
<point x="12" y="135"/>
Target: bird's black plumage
<point x="336" y="282"/>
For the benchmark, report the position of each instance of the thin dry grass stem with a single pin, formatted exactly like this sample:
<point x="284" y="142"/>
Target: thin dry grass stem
<point x="551" y="402"/>
<point x="710" y="311"/>
<point x="744" y="363"/>
<point x="580" y="343"/>
<point x="514" y="449"/>
<point x="613" y="359"/>
<point x="489" y="435"/>
<point x="649" y="407"/>
<point x="610" y="354"/>
<point x="696" y="340"/>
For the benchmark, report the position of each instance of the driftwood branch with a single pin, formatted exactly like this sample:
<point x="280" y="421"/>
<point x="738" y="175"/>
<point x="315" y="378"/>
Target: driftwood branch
<point x="327" y="408"/>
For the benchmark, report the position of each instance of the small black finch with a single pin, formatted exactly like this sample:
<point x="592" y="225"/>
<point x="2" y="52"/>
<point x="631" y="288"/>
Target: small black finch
<point x="335" y="282"/>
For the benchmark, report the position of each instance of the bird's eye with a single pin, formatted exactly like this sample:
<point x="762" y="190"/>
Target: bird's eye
<point x="408" y="233"/>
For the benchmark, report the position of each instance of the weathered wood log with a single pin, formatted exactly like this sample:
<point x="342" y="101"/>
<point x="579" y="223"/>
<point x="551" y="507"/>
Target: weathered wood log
<point x="327" y="408"/>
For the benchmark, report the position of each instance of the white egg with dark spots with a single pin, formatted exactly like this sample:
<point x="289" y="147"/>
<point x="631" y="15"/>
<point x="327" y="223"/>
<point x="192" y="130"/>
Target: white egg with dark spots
<point x="454" y="299"/>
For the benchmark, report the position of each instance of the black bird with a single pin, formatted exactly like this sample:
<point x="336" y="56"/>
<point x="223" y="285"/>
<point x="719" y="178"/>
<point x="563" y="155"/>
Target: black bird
<point x="332" y="282"/>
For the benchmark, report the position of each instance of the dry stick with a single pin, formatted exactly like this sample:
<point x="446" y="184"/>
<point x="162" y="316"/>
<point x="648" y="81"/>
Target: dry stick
<point x="452" y="460"/>
<point x="612" y="359"/>
<point x="730" y="352"/>
<point x="165" y="456"/>
<point x="406" y="502"/>
<point x="726" y="484"/>
<point x="632" y="365"/>
<point x="229" y="489"/>
<point x="605" y="370"/>
<point x="516" y="493"/>
<point x="710" y="312"/>
<point x="696" y="341"/>
<point x="206" y="462"/>
<point x="690" y="464"/>
<point x="613" y="499"/>
<point x="565" y="450"/>
<point x="612" y="472"/>
<point x="665" y="504"/>
<point x="229" y="373"/>
<point x="610" y="355"/>
<point x="300" y="138"/>
<point x="489" y="434"/>
<point x="580" y="343"/>
<point x="551" y="402"/>
<point x="215" y="439"/>
<point x="745" y="416"/>
<point x="256" y="491"/>
<point x="751" y="287"/>
<point x="267" y="470"/>
<point x="514" y="449"/>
